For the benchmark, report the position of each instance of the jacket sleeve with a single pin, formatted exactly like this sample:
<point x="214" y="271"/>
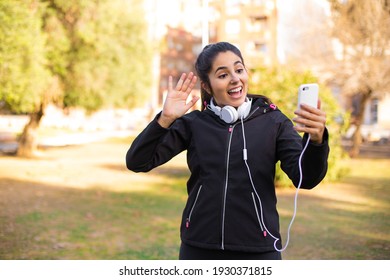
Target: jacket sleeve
<point x="314" y="161"/>
<point x="156" y="145"/>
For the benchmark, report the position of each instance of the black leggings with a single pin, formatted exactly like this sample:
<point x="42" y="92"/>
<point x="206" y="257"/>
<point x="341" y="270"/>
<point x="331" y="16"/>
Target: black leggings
<point x="188" y="252"/>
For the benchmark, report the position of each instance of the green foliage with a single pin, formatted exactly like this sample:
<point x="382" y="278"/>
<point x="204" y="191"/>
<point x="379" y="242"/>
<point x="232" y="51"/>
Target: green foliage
<point x="281" y="86"/>
<point x="107" y="56"/>
<point x="23" y="77"/>
<point x="96" y="50"/>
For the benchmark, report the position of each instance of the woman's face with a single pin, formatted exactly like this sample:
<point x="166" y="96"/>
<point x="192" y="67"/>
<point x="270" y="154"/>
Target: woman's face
<point x="228" y="79"/>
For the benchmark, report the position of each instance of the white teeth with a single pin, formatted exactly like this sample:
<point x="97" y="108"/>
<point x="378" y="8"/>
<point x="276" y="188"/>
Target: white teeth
<point x="236" y="89"/>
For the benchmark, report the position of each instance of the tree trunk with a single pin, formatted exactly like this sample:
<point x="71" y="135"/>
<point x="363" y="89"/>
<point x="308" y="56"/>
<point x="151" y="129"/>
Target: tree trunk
<point x="28" y="141"/>
<point x="357" y="136"/>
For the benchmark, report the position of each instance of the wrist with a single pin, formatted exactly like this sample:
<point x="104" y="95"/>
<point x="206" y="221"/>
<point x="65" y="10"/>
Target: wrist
<point x="164" y="121"/>
<point x="317" y="141"/>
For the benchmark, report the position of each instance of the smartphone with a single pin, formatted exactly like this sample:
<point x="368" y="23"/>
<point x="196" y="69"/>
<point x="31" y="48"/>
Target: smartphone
<point x="308" y="94"/>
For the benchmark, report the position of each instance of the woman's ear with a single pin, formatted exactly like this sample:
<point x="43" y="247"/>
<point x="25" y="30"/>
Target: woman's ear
<point x="205" y="87"/>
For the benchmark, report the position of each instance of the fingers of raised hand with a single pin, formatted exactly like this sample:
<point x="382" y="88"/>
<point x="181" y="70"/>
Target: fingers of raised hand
<point x="170" y="83"/>
<point x="191" y="83"/>
<point x="186" y="82"/>
<point x="192" y="102"/>
<point x="180" y="83"/>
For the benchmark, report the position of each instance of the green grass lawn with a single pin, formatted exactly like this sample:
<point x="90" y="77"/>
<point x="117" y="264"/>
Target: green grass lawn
<point x="344" y="220"/>
<point x="80" y="202"/>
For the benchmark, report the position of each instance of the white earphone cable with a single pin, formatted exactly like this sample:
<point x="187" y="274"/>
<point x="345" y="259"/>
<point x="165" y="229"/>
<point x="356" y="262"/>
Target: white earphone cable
<point x="245" y="156"/>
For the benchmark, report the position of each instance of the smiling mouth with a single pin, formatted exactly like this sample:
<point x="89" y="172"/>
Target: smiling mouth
<point x="235" y="92"/>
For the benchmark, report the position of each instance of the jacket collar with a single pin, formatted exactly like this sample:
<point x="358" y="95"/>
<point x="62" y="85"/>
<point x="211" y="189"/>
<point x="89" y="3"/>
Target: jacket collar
<point x="259" y="106"/>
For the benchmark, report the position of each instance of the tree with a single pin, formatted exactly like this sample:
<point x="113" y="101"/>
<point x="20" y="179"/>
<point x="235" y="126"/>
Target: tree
<point x="24" y="81"/>
<point x="363" y="31"/>
<point x="106" y="54"/>
<point x="94" y="52"/>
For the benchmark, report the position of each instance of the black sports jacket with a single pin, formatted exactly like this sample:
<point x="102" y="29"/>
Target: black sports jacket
<point x="224" y="209"/>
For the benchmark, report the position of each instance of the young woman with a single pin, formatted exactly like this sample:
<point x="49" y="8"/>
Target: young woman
<point x="232" y="147"/>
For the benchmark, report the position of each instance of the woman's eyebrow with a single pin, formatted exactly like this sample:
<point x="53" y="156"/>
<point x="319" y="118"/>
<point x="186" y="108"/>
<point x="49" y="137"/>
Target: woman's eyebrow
<point x="225" y="67"/>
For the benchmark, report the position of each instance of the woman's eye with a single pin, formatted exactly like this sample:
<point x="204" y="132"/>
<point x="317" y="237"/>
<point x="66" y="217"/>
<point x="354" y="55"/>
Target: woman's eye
<point x="239" y="71"/>
<point x="222" y="76"/>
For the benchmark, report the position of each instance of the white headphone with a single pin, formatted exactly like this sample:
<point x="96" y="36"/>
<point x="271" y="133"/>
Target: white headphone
<point x="228" y="113"/>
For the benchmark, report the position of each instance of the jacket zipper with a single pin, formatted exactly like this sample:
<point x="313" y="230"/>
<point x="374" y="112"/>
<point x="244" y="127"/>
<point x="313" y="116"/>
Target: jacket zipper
<point x="231" y="128"/>
<point x="192" y="208"/>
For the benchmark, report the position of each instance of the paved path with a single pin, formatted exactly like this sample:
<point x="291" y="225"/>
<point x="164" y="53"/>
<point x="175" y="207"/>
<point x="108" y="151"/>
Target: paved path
<point x="9" y="145"/>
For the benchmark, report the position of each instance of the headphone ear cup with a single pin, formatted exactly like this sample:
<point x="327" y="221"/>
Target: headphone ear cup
<point x="241" y="110"/>
<point x="229" y="114"/>
<point x="214" y="108"/>
<point x="244" y="108"/>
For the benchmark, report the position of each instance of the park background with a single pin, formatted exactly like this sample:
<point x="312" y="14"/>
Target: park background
<point x="80" y="79"/>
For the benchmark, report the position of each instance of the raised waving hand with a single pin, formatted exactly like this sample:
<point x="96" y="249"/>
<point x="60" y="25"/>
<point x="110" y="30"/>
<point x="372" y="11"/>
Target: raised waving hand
<point x="176" y="104"/>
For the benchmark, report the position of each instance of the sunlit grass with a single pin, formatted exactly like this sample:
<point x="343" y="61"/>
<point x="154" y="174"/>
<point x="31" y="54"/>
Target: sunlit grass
<point x="344" y="220"/>
<point x="81" y="203"/>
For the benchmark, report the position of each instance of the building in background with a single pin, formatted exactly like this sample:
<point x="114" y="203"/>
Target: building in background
<point x="268" y="32"/>
<point x="251" y="25"/>
<point x="177" y="56"/>
<point x="180" y="29"/>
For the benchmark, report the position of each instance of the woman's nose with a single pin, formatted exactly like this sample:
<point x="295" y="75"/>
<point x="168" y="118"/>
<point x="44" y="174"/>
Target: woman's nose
<point x="234" y="79"/>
